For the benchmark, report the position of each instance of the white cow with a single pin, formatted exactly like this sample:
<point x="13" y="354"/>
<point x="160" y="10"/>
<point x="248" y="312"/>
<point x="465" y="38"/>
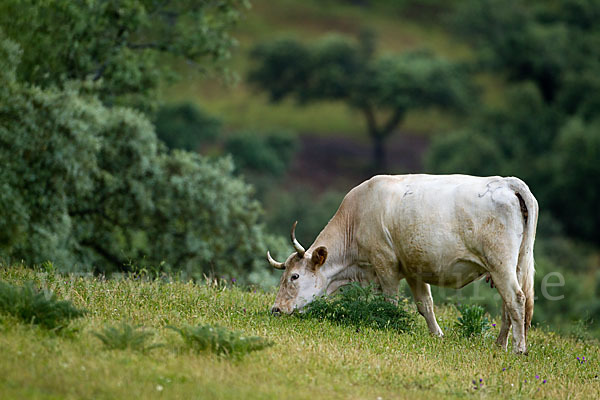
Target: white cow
<point x="445" y="230"/>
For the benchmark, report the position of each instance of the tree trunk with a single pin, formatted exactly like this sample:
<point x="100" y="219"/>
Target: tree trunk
<point x="379" y="154"/>
<point x="378" y="135"/>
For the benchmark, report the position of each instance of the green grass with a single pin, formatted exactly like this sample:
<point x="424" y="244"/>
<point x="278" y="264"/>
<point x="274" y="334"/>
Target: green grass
<point x="473" y="320"/>
<point x="242" y="107"/>
<point x="310" y="359"/>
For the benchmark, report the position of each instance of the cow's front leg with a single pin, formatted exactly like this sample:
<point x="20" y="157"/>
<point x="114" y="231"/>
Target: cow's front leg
<point x="422" y="295"/>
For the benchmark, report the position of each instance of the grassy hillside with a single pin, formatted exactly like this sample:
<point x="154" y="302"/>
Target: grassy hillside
<point x="310" y="359"/>
<point x="242" y="107"/>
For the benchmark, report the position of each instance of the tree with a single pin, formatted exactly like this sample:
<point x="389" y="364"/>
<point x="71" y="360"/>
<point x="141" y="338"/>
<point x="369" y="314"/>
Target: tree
<point x="121" y="45"/>
<point x="85" y="186"/>
<point x="553" y="45"/>
<point x="382" y="89"/>
<point x="85" y="181"/>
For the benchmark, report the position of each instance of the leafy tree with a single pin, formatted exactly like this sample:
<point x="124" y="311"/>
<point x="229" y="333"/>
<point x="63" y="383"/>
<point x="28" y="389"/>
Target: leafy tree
<point x="554" y="45"/>
<point x="85" y="182"/>
<point x="120" y="44"/>
<point x="382" y="89"/>
<point x="86" y="185"/>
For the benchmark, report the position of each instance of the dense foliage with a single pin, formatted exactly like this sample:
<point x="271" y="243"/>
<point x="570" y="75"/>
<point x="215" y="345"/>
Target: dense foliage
<point x="90" y="186"/>
<point x="119" y="44"/>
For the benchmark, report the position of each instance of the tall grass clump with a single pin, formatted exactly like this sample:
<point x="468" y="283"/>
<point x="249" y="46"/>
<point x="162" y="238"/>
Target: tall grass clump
<point x="219" y="340"/>
<point x="472" y="321"/>
<point x="34" y="306"/>
<point x="358" y="306"/>
<point x="126" y="336"/>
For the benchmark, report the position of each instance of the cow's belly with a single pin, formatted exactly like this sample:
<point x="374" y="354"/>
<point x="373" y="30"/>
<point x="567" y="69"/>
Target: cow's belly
<point x="455" y="274"/>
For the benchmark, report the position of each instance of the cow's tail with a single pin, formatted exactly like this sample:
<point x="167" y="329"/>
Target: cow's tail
<point x="525" y="265"/>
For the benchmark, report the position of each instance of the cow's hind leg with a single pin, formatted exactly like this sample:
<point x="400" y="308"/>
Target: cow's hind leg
<point x="514" y="303"/>
<point x="502" y="340"/>
<point x="422" y="295"/>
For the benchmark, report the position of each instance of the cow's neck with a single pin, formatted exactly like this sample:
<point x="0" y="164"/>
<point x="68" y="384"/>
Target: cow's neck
<point x="338" y="237"/>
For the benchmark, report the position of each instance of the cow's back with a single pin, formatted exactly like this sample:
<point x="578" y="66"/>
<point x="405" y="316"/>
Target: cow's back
<point x="426" y="222"/>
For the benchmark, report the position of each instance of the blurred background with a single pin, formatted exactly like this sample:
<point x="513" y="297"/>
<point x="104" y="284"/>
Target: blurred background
<point x="185" y="137"/>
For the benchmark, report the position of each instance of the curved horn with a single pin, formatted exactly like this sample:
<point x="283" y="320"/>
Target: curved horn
<point x="297" y="245"/>
<point x="274" y="263"/>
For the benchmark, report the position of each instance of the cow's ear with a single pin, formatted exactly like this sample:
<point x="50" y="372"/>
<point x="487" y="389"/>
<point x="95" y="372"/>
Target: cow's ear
<point x="319" y="256"/>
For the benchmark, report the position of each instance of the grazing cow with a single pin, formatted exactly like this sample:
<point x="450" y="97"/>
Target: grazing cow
<point x="445" y="230"/>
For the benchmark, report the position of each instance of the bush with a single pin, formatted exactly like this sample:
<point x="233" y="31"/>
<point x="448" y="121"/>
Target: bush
<point x="361" y="307"/>
<point x="473" y="320"/>
<point x="270" y="153"/>
<point x="184" y="126"/>
<point x="37" y="307"/>
<point x="221" y="341"/>
<point x="124" y="337"/>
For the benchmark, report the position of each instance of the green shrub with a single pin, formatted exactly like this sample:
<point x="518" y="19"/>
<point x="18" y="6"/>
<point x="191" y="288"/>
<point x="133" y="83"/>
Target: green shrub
<point x="184" y="126"/>
<point x="358" y="306"/>
<point x="270" y="153"/>
<point x="37" y="307"/>
<point x="126" y="336"/>
<point x="473" y="321"/>
<point x="221" y="341"/>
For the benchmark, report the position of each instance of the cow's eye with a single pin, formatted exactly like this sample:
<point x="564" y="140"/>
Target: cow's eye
<point x="294" y="277"/>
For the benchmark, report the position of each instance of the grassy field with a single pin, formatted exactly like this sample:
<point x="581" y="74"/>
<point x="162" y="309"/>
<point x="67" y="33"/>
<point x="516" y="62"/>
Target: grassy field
<point x="310" y="359"/>
<point x="242" y="107"/>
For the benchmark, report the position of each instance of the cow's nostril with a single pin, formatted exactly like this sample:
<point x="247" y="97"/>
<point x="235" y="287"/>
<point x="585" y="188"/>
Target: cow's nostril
<point x="275" y="310"/>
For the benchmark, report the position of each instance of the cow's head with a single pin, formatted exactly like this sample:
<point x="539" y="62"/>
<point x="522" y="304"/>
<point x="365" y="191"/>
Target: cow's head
<point x="302" y="280"/>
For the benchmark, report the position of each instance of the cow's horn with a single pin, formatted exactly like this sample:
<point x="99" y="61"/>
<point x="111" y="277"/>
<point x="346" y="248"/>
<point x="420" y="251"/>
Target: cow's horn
<point x="297" y="245"/>
<point x="274" y="263"/>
